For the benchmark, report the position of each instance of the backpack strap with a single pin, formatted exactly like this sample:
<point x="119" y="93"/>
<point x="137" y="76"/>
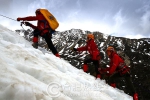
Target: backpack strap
<point x="122" y="68"/>
<point x="49" y="28"/>
<point x="45" y="22"/>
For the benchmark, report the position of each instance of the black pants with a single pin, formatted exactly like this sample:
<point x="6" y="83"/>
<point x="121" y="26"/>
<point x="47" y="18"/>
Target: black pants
<point x="47" y="37"/>
<point x="127" y="78"/>
<point x="95" y="62"/>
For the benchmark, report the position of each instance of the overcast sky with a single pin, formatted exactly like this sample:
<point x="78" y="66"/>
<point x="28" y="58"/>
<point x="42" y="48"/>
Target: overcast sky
<point x="126" y="18"/>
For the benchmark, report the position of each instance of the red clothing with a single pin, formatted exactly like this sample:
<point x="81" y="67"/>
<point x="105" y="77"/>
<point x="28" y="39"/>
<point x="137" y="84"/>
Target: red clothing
<point x="115" y="62"/>
<point x="41" y="22"/>
<point x="91" y="47"/>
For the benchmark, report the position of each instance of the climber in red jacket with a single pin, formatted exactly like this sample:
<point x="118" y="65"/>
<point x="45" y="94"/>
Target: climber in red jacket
<point x="42" y="29"/>
<point x="118" y="69"/>
<point x="91" y="47"/>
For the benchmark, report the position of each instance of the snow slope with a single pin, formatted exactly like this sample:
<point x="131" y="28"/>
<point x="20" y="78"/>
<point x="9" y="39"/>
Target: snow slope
<point x="31" y="74"/>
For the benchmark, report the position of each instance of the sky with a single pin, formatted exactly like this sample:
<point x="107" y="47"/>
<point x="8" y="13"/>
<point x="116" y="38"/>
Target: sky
<point x="122" y="18"/>
<point x="36" y="74"/>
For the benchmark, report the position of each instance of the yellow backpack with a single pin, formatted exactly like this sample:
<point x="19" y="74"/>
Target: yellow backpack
<point x="53" y="23"/>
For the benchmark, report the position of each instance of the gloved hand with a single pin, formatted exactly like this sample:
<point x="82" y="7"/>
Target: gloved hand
<point x="18" y="19"/>
<point x="99" y="69"/>
<point x="102" y="70"/>
<point x="27" y="23"/>
<point x="74" y="49"/>
<point x="35" y="45"/>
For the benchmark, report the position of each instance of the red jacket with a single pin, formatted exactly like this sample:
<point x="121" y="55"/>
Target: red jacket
<point x="41" y="22"/>
<point x="115" y="64"/>
<point x="91" y="47"/>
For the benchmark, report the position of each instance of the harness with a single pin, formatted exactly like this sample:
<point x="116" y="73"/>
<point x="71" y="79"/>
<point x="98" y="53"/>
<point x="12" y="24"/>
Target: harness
<point x="122" y="68"/>
<point x="48" y="28"/>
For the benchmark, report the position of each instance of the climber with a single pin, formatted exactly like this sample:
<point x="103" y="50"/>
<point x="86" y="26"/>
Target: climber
<point x="117" y="68"/>
<point x="42" y="29"/>
<point x="92" y="48"/>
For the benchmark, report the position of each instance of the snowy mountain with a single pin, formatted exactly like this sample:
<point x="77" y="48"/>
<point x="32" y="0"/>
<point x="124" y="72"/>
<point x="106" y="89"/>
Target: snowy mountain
<point x="136" y="53"/>
<point x="35" y="74"/>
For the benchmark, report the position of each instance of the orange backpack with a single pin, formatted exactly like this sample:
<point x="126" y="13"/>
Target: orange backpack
<point x="53" y="23"/>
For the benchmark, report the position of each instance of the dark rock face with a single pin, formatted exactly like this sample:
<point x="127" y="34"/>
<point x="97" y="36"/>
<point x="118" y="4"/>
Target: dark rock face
<point x="136" y="51"/>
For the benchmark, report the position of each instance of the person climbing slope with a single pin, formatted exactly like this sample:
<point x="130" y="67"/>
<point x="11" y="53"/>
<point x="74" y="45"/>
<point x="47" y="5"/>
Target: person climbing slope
<point x="117" y="70"/>
<point x="92" y="48"/>
<point x="43" y="28"/>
